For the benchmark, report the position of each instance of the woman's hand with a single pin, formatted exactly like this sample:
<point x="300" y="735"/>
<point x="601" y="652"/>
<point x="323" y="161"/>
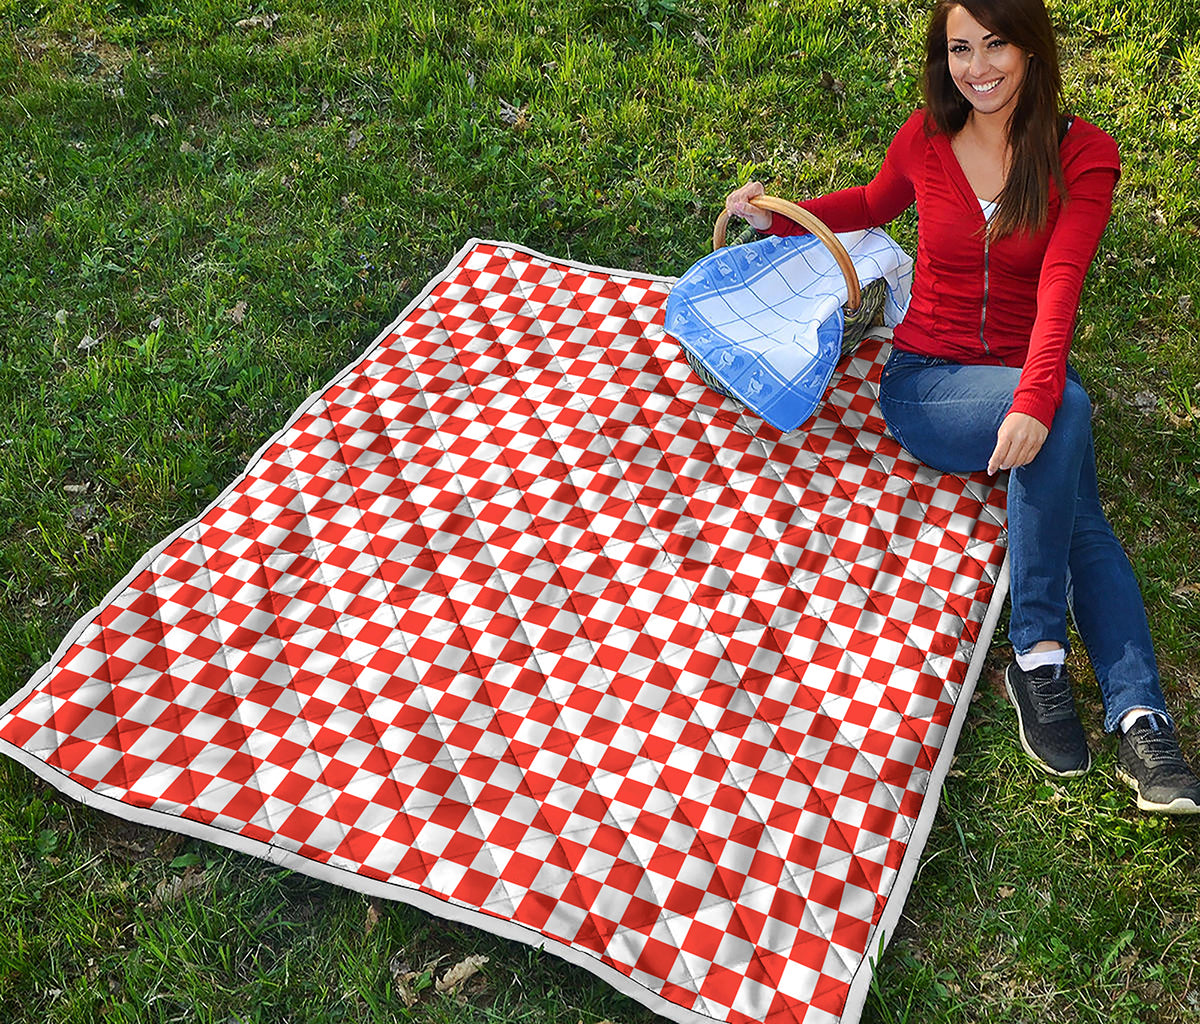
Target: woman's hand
<point x="737" y="204"/>
<point x="1018" y="441"/>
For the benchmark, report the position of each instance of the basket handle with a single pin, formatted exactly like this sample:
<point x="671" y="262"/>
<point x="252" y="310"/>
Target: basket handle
<point x="806" y="220"/>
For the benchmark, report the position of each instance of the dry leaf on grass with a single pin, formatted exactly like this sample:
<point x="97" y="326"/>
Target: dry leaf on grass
<point x="158" y="120"/>
<point x="513" y="116"/>
<point x="171" y="889"/>
<point x="1145" y="401"/>
<point x="407" y="981"/>
<point x="460" y="972"/>
<point x="1182" y="418"/>
<point x="238" y="313"/>
<point x="404" y="989"/>
<point x="126" y="850"/>
<point x="87" y="341"/>
<point x="257" y="21"/>
<point x="373" y="915"/>
<point x="831" y="84"/>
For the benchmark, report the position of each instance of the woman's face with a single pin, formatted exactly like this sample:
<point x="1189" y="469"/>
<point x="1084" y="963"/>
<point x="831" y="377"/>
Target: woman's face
<point x="987" y="69"/>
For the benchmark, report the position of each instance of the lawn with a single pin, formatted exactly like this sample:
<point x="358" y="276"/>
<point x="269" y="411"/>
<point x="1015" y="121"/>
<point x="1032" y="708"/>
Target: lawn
<point x="206" y="209"/>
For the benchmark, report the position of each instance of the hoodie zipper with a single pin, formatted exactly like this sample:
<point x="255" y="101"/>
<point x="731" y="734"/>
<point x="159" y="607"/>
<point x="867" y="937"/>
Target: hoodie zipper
<point x="983" y="308"/>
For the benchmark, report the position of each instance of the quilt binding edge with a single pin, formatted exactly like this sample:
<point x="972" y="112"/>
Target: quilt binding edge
<point x="880" y="933"/>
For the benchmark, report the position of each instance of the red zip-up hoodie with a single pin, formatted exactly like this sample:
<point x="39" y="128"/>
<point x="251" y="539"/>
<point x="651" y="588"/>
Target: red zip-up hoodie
<point x="1010" y="301"/>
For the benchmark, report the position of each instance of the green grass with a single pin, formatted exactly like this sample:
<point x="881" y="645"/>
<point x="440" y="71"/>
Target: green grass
<point x="160" y="167"/>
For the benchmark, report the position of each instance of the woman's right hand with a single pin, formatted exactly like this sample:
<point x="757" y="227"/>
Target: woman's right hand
<point x="737" y="204"/>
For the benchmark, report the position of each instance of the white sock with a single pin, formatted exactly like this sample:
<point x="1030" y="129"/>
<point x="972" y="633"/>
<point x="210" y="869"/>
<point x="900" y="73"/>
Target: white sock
<point x="1028" y="662"/>
<point x="1131" y="717"/>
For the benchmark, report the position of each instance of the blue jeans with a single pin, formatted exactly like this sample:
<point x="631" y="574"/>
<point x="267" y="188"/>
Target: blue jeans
<point x="1062" y="550"/>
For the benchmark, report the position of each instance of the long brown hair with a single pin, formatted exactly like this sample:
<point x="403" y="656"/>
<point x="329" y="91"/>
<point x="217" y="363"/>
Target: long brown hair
<point x="1036" y="125"/>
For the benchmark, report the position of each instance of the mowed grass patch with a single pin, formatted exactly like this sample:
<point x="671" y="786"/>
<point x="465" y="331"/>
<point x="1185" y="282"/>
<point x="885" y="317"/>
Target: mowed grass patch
<point x="202" y="223"/>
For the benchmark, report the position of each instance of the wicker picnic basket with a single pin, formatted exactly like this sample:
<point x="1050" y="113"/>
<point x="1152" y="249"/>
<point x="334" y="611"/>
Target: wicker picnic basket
<point x="862" y="308"/>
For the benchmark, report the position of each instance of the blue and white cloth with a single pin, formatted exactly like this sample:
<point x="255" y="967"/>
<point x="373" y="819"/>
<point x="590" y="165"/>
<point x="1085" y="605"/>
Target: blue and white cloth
<point x="765" y="319"/>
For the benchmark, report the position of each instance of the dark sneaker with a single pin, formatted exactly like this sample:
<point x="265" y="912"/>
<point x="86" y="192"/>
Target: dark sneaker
<point x="1051" y="732"/>
<point x="1149" y="760"/>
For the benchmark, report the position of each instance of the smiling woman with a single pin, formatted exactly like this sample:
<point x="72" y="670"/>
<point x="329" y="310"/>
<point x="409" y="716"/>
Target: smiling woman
<point x="1012" y="198"/>
<point x="996" y="88"/>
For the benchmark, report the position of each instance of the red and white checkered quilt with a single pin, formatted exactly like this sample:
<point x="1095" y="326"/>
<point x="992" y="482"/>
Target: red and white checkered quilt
<point x="518" y="622"/>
